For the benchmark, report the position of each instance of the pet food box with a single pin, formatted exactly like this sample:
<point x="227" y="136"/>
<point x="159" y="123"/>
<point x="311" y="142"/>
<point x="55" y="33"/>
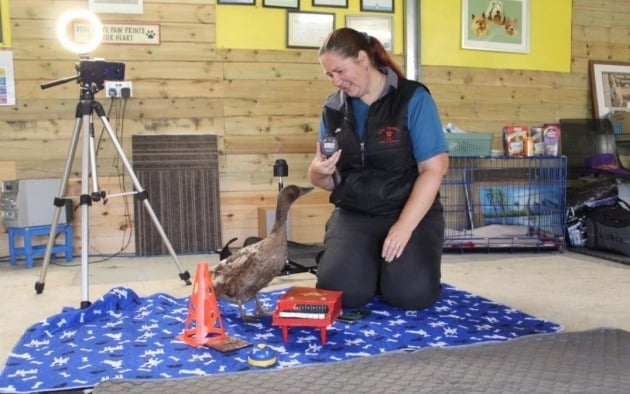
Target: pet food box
<point x="551" y="135"/>
<point x="538" y="139"/>
<point x="514" y="139"/>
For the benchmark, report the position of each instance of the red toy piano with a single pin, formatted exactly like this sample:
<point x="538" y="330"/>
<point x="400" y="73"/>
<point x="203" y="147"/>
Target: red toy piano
<point x="307" y="307"/>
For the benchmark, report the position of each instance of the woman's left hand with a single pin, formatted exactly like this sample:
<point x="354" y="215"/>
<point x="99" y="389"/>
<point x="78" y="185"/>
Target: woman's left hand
<point x="395" y="242"/>
<point x="422" y="196"/>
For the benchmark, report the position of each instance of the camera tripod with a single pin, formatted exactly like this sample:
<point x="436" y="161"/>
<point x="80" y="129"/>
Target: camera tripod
<point x="84" y="128"/>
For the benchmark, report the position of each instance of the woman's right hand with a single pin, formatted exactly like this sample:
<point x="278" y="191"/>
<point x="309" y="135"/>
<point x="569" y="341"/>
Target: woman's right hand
<point x="322" y="168"/>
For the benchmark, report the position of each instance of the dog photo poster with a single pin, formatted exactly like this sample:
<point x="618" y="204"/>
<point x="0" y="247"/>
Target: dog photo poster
<point x="496" y="25"/>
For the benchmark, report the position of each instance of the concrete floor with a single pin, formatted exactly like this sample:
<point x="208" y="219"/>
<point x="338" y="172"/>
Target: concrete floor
<point x="577" y="291"/>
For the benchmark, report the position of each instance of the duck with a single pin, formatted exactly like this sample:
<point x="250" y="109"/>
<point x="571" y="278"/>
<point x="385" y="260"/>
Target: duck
<point x="245" y="272"/>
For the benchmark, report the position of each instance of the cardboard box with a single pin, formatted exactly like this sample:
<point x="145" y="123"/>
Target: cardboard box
<point x="621" y="122"/>
<point x="551" y="135"/>
<point x="514" y="139"/>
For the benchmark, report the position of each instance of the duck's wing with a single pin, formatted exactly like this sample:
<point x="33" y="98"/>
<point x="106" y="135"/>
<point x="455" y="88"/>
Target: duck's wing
<point x="234" y="264"/>
<point x="231" y="276"/>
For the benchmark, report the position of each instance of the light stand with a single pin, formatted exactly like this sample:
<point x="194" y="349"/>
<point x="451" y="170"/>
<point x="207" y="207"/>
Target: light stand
<point x="280" y="170"/>
<point x="91" y="78"/>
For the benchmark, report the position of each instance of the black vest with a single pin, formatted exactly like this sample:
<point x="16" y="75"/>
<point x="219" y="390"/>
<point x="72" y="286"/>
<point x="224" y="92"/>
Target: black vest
<point x="378" y="175"/>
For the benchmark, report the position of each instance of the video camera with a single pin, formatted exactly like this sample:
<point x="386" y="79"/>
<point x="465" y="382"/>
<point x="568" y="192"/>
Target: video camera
<point x="98" y="71"/>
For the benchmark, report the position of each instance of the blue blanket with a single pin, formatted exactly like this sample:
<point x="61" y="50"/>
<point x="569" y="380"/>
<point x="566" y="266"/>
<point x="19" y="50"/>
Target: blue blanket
<point x="126" y="336"/>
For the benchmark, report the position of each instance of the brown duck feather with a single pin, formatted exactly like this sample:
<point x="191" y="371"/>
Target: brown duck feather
<point x="239" y="277"/>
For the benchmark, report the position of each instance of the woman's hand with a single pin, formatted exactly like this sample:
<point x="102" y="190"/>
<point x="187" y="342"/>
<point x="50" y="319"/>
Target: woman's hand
<point x="396" y="241"/>
<point x="422" y="196"/>
<point x="322" y="168"/>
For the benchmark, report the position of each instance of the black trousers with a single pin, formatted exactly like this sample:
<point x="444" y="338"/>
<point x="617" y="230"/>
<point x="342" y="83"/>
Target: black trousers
<point x="352" y="260"/>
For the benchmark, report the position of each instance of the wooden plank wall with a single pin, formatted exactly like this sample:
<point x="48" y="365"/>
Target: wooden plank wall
<point x="263" y="105"/>
<point x="485" y="100"/>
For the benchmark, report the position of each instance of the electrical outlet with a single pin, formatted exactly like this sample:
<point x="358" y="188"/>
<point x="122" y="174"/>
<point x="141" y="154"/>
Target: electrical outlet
<point x="118" y="89"/>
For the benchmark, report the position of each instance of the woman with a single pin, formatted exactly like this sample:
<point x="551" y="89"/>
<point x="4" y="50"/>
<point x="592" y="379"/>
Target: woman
<point x="385" y="235"/>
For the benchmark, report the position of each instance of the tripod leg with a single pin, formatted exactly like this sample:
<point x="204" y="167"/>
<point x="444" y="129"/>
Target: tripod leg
<point x="86" y="202"/>
<point x="141" y="193"/>
<point x="59" y="204"/>
<point x="96" y="193"/>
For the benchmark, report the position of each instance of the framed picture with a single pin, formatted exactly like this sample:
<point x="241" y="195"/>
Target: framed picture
<point x="243" y="2"/>
<point x="308" y="29"/>
<point x="292" y="4"/>
<point x="116" y="6"/>
<point x="7" y="78"/>
<point x="501" y="26"/>
<point x="330" y="3"/>
<point x="610" y="87"/>
<point x="377" y="5"/>
<point x="5" y="32"/>
<point x="378" y="26"/>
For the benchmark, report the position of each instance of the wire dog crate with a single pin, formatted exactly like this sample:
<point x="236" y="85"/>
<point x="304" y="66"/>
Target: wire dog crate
<point x="504" y="203"/>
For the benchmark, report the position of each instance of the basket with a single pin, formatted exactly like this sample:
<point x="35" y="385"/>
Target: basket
<point x="469" y="144"/>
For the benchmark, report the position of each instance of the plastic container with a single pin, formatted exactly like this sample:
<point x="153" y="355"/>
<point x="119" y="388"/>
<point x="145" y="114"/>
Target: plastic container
<point x="469" y="144"/>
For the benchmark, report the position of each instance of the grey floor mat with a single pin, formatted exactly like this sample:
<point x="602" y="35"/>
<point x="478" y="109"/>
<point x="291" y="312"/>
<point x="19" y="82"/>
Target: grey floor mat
<point x="596" y="361"/>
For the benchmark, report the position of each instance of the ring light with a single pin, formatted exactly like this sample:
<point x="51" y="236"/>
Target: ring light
<point x="96" y="30"/>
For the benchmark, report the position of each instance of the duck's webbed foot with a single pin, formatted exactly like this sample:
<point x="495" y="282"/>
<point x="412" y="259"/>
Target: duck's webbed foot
<point x="260" y="311"/>
<point x="245" y="317"/>
<point x="250" y="318"/>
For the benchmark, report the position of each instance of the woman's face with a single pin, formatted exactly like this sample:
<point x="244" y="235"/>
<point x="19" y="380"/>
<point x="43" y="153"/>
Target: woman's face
<point x="347" y="73"/>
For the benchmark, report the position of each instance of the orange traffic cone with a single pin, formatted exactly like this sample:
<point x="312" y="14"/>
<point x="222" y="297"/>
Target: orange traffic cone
<point x="203" y="324"/>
